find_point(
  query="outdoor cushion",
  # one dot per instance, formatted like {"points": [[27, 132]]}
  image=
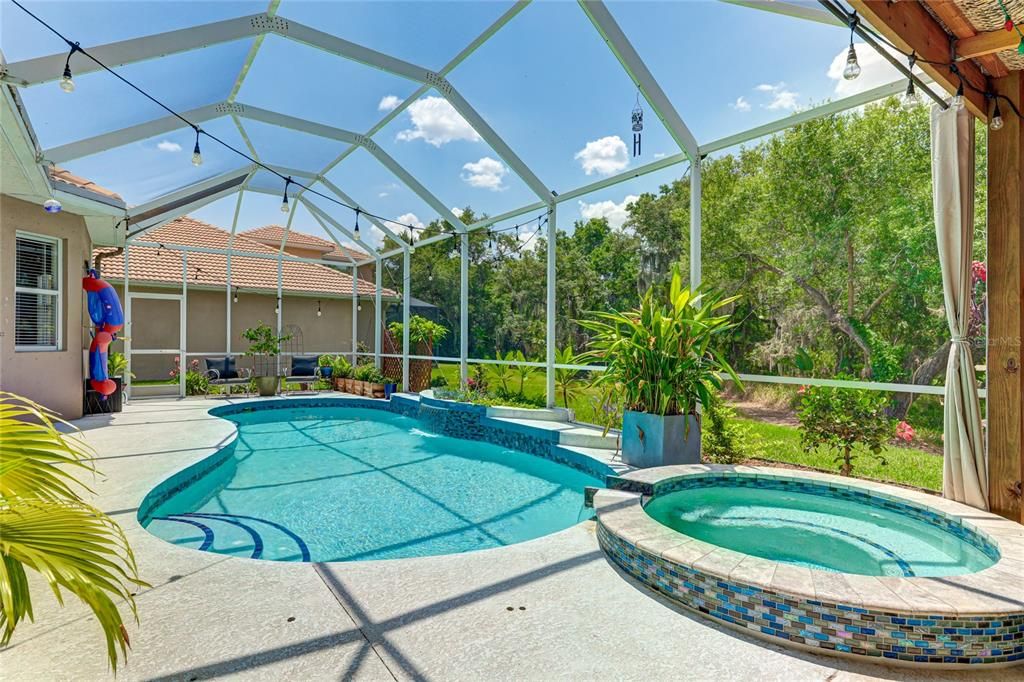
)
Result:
{"points": [[304, 366], [225, 366]]}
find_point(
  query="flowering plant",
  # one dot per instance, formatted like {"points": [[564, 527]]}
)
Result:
{"points": [[904, 432]]}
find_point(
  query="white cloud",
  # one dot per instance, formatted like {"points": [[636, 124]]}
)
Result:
{"points": [[603, 156], [874, 71], [410, 219], [660, 155], [388, 103], [741, 104], [436, 122], [616, 213], [457, 211], [781, 96], [168, 146], [487, 173], [382, 195]]}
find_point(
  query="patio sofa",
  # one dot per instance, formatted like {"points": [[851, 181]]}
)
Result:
{"points": [[221, 371]]}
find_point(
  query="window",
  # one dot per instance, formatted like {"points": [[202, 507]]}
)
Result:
{"points": [[37, 290]]}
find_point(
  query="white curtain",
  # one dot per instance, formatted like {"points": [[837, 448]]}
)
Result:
{"points": [[965, 468]]}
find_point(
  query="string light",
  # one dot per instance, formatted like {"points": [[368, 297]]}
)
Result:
{"points": [[284, 202], [319, 313], [277, 306], [197, 156], [66, 83], [234, 299], [958, 98], [911, 98], [997, 118], [356, 231], [852, 69]]}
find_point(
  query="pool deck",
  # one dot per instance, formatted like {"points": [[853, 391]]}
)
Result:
{"points": [[551, 608]]}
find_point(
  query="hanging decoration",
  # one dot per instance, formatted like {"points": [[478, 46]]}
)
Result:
{"points": [[638, 125]]}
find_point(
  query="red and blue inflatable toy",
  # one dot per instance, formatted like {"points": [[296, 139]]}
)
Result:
{"points": [[106, 313]]}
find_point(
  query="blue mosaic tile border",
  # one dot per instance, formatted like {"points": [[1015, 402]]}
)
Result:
{"points": [[827, 627], [950, 524]]}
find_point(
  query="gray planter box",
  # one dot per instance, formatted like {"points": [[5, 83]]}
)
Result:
{"points": [[649, 440]]}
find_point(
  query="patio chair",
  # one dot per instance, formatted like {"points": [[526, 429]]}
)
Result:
{"points": [[304, 370], [221, 371]]}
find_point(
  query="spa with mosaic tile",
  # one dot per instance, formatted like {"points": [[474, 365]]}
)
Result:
{"points": [[965, 618]]}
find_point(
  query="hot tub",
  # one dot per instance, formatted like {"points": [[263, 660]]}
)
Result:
{"points": [[834, 565]]}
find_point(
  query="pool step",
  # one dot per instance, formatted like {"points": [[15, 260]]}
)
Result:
{"points": [[232, 534], [544, 414], [568, 434]]}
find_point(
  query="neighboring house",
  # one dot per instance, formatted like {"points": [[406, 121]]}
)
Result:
{"points": [[307, 288], [310, 246], [43, 257]]}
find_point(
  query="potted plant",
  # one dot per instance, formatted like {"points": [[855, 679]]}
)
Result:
{"points": [[264, 345], [660, 359], [341, 371], [117, 370], [391, 386], [422, 335], [326, 368], [363, 376]]}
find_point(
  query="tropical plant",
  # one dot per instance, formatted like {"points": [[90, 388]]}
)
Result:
{"points": [[568, 382], [368, 373], [524, 371], [341, 368], [117, 366], [661, 354], [502, 372], [47, 527], [421, 330], [841, 419]]}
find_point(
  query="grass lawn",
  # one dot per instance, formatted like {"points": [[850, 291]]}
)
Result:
{"points": [[778, 443], [908, 466]]}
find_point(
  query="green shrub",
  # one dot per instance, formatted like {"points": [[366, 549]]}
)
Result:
{"points": [[438, 381], [842, 419], [364, 372], [723, 438]]}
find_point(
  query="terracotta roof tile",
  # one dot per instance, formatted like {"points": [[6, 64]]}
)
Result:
{"points": [[154, 264], [271, 234], [61, 175]]}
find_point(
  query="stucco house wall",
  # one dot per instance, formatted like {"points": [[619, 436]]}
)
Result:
{"points": [[51, 377], [155, 324]]}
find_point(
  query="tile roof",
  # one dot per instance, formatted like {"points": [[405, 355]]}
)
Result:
{"points": [[153, 264], [67, 177], [271, 234]]}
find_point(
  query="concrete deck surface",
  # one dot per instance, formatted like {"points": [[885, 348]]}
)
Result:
{"points": [[551, 608]]}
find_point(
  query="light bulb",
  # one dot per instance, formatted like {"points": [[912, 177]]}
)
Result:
{"points": [[284, 204], [66, 84], [911, 98], [197, 156], [234, 299], [359, 308], [997, 118], [356, 233], [412, 249], [319, 313], [852, 69], [52, 206]]}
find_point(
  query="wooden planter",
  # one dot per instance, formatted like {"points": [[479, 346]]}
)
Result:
{"points": [[349, 385], [373, 390]]}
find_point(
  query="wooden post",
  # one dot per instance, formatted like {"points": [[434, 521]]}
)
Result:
{"points": [[1005, 286]]}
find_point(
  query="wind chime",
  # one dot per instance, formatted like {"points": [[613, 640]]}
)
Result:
{"points": [[638, 125]]}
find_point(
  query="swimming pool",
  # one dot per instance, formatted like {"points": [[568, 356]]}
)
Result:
{"points": [[337, 483]]}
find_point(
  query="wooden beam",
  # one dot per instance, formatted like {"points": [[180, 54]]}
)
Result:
{"points": [[1005, 299], [949, 13], [909, 26], [988, 42]]}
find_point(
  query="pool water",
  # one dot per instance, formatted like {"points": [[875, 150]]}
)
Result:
{"points": [[816, 531], [348, 484]]}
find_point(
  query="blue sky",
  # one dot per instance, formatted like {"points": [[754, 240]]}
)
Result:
{"points": [[546, 83]]}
